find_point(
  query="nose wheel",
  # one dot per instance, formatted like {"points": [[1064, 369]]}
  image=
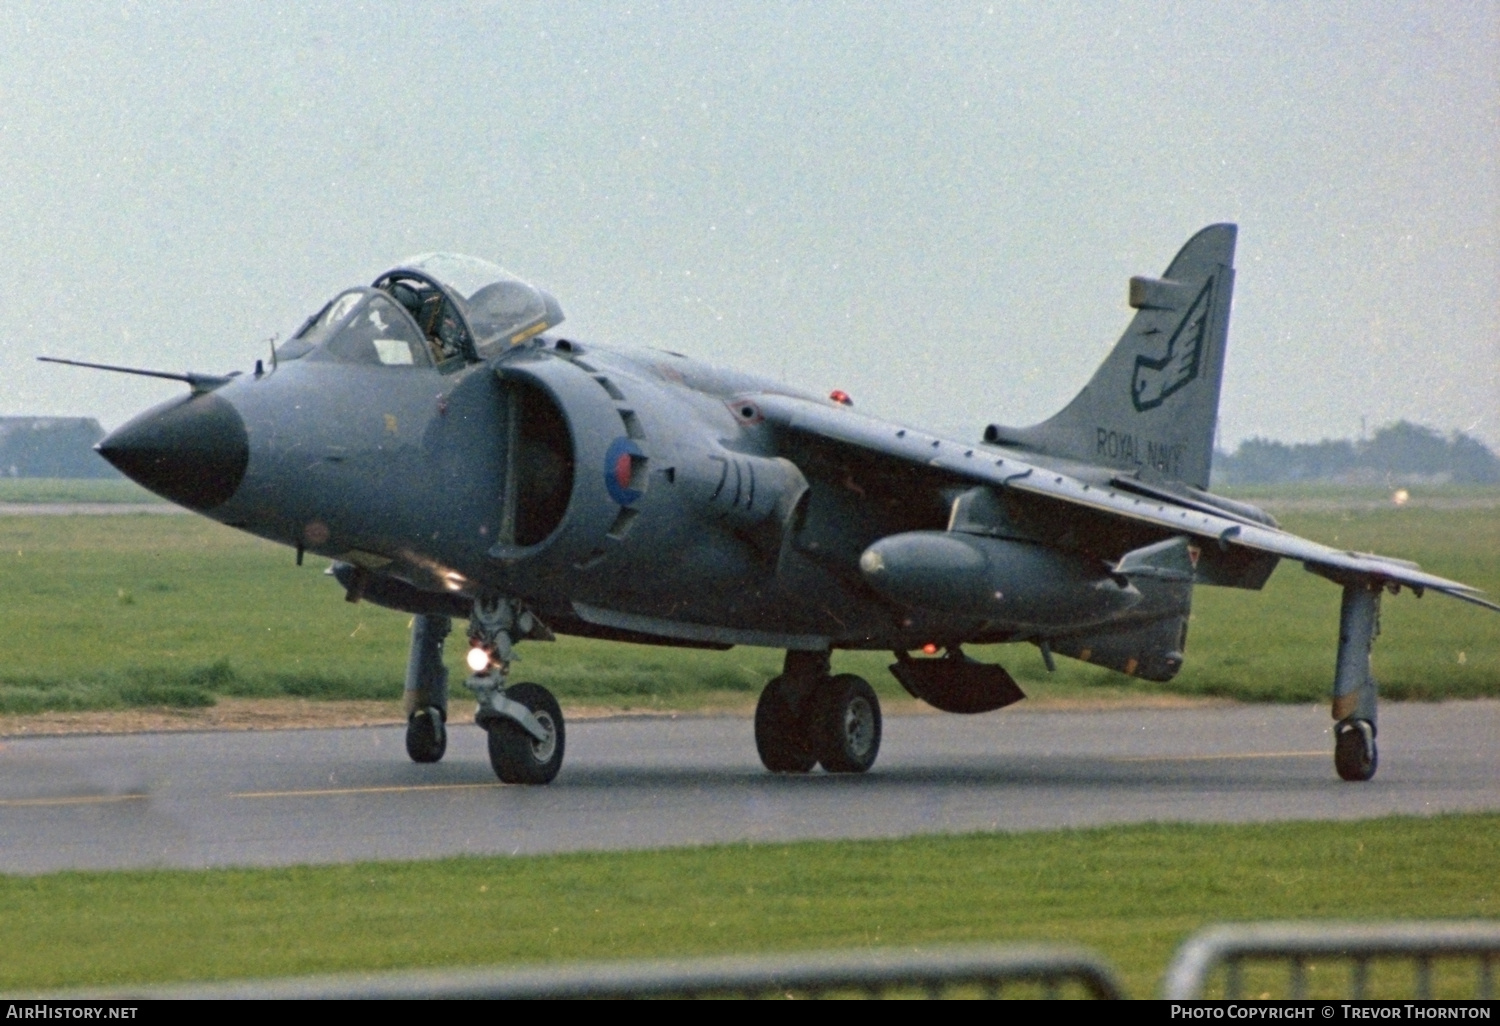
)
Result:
{"points": [[516, 755]]}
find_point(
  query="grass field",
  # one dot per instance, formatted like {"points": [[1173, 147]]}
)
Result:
{"points": [[103, 612], [1131, 893], [51, 489]]}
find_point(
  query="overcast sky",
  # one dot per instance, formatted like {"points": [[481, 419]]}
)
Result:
{"points": [[934, 206]]}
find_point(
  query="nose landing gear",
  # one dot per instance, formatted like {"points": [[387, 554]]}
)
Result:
{"points": [[523, 721], [518, 756]]}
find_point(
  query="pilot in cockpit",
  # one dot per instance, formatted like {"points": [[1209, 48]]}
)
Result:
{"points": [[427, 309]]}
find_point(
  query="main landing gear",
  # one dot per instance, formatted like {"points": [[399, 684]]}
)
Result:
{"points": [[1354, 753], [523, 721], [807, 716]]}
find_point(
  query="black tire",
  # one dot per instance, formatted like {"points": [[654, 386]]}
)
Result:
{"points": [[1354, 753], [518, 758], [780, 730], [426, 734], [848, 725]]}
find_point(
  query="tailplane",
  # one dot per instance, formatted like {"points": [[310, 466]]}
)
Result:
{"points": [[1152, 406]]}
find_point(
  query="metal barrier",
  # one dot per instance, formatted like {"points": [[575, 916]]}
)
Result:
{"points": [[1295, 943], [872, 973], [933, 971]]}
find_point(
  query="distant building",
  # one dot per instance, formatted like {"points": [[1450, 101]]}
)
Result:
{"points": [[51, 447]]}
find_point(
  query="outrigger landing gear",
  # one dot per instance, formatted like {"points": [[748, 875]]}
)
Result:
{"points": [[1354, 754], [426, 695], [806, 716], [523, 721]]}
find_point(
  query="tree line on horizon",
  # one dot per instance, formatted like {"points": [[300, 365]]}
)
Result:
{"points": [[1399, 453], [52, 447]]}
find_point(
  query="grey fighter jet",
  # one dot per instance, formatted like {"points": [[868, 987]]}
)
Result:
{"points": [[455, 456]]}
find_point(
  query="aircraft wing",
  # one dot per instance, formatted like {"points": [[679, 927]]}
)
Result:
{"points": [[987, 465]]}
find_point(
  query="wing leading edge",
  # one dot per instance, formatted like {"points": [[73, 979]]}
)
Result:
{"points": [[1000, 468]]}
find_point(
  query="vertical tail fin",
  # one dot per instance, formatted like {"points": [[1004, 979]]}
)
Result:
{"points": [[1153, 404]]}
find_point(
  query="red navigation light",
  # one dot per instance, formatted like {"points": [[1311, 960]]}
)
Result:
{"points": [[930, 648], [841, 397]]}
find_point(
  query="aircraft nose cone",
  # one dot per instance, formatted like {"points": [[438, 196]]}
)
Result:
{"points": [[193, 451]]}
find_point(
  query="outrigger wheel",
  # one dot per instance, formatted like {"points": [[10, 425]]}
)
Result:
{"points": [[519, 758], [1354, 753], [426, 734]]}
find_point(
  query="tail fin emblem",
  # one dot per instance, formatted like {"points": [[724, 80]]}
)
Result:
{"points": [[1155, 380]]}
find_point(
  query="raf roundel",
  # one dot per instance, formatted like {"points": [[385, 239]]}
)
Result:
{"points": [[619, 469]]}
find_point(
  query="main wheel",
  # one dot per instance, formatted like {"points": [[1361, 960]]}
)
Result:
{"points": [[519, 758], [848, 725], [426, 735], [1354, 754], [781, 730]]}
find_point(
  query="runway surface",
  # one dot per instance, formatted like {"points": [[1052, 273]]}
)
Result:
{"points": [[294, 796]]}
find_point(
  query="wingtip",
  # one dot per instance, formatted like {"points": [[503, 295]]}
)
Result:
{"points": [[1470, 597]]}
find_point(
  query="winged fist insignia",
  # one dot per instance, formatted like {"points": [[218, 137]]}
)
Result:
{"points": [[1156, 379]]}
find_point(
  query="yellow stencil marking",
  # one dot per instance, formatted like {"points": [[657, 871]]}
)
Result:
{"points": [[1214, 758], [90, 799], [525, 333], [364, 790]]}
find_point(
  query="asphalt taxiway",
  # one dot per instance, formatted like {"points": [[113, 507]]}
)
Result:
{"points": [[295, 796]]}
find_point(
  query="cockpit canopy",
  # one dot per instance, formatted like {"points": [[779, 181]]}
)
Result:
{"points": [[438, 309]]}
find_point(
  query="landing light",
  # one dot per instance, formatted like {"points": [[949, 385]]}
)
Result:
{"points": [[479, 659]]}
